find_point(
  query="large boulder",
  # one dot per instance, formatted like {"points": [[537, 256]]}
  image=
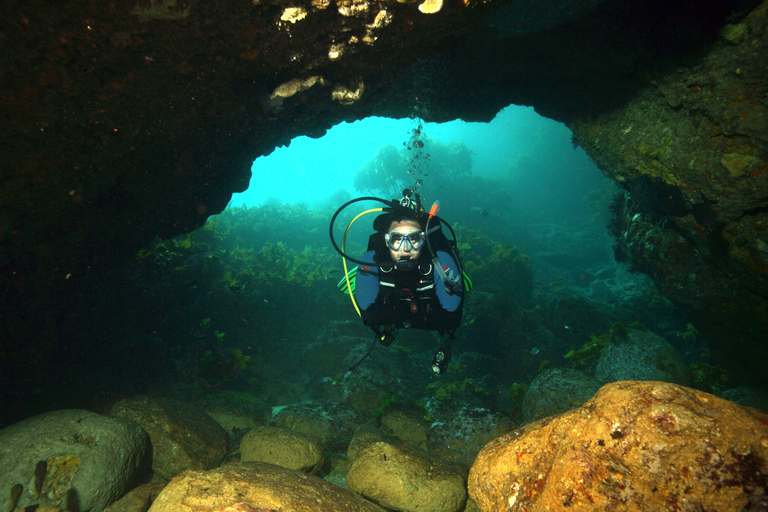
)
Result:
{"points": [[643, 446], [183, 436], [256, 487], [691, 150], [283, 448], [406, 480], [71, 458], [235, 411], [365, 435]]}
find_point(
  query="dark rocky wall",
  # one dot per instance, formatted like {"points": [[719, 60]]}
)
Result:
{"points": [[128, 119], [691, 149]]}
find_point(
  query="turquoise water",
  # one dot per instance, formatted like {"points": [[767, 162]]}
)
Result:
{"points": [[310, 170]]}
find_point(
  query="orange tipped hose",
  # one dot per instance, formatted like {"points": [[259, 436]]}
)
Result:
{"points": [[433, 210]]}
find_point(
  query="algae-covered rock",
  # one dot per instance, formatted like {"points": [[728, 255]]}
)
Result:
{"points": [[140, 498], [410, 428], [364, 436], [331, 425], [68, 455], [461, 436], [406, 480], [235, 411], [282, 447]]}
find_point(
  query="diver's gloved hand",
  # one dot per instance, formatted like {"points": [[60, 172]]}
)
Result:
{"points": [[441, 360]]}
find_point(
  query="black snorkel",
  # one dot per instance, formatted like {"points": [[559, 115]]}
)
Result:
{"points": [[409, 200], [405, 202], [390, 205]]}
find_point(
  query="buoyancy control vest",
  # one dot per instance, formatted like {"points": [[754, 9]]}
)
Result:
{"points": [[415, 298]]}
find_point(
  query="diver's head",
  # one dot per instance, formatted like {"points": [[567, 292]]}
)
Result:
{"points": [[404, 235]]}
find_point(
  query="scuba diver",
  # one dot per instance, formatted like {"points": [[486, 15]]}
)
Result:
{"points": [[410, 277]]}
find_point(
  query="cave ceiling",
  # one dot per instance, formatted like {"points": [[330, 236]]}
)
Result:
{"points": [[131, 119]]}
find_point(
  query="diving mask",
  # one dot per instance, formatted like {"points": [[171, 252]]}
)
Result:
{"points": [[413, 240]]}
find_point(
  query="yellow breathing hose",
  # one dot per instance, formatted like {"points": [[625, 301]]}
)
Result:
{"points": [[344, 260]]}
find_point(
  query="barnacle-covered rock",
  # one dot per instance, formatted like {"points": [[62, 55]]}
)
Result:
{"points": [[352, 7], [291, 87], [293, 14], [348, 96], [557, 390], [147, 10]]}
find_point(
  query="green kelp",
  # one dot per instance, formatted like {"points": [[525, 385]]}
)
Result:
{"points": [[443, 389], [591, 349], [212, 289], [388, 171], [270, 246], [494, 266], [710, 378], [457, 383]]}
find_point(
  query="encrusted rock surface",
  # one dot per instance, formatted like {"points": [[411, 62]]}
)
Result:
{"points": [[330, 424], [183, 437], [407, 426], [256, 487], [459, 437], [644, 446], [140, 498], [234, 416], [71, 459]]}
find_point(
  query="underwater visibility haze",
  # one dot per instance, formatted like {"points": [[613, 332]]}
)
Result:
{"points": [[244, 318], [557, 300], [248, 304]]}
